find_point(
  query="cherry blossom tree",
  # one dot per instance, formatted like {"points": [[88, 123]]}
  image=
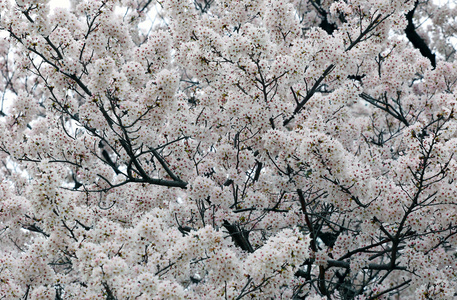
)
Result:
{"points": [[232, 149]]}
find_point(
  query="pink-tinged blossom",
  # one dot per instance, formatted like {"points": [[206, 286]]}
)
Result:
{"points": [[228, 149]]}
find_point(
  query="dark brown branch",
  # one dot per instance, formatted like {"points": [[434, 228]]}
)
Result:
{"points": [[416, 40], [239, 236]]}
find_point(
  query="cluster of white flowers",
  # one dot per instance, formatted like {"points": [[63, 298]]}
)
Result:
{"points": [[236, 149]]}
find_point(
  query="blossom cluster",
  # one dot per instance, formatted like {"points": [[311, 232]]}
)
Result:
{"points": [[235, 149]]}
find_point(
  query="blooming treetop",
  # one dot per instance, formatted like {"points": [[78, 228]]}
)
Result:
{"points": [[238, 149]]}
